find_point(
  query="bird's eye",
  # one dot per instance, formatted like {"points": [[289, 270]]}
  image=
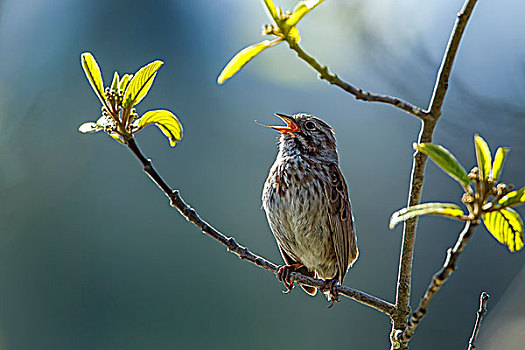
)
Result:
{"points": [[309, 125]]}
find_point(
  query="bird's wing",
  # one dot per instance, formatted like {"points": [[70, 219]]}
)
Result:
{"points": [[341, 221]]}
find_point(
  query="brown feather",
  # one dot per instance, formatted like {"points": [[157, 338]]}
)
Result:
{"points": [[341, 222]]}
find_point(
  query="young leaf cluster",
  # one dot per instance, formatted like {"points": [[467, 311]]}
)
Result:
{"points": [[119, 118], [485, 198], [284, 28]]}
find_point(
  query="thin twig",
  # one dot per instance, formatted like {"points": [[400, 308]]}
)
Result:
{"points": [[484, 297], [438, 280], [418, 168], [324, 73], [242, 252]]}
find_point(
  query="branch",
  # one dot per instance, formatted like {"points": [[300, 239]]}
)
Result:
{"points": [[242, 252], [438, 280], [479, 318], [404, 278], [324, 73], [441, 86], [418, 167]]}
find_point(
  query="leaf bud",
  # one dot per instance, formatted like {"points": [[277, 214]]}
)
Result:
{"points": [[467, 198], [474, 174], [501, 189]]}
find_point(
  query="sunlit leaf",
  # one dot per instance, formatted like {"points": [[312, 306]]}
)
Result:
{"points": [[301, 10], [443, 209], [506, 226], [166, 121], [90, 66], [140, 84], [444, 159], [114, 83], [124, 82], [483, 156], [513, 198], [293, 33], [242, 57], [105, 120], [272, 10], [90, 127], [497, 166]]}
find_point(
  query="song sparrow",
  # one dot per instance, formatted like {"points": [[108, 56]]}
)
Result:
{"points": [[307, 205]]}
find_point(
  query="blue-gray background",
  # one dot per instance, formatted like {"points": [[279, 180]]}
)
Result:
{"points": [[93, 257]]}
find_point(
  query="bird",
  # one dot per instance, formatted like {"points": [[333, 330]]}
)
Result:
{"points": [[307, 205]]}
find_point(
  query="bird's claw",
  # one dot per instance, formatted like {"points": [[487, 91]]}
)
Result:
{"points": [[283, 275], [333, 295]]}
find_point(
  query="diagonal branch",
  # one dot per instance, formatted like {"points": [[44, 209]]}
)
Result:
{"points": [[484, 297], [438, 280], [418, 166], [324, 73], [441, 86], [242, 252]]}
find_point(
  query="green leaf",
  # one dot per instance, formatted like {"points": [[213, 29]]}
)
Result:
{"points": [[513, 198], [242, 57], [506, 226], [445, 160], [301, 10], [114, 83], [140, 84], [272, 10], [90, 66], [443, 209], [124, 82], [497, 166], [166, 121], [90, 127], [483, 156]]}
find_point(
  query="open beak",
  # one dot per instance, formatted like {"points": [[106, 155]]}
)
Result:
{"points": [[290, 127]]}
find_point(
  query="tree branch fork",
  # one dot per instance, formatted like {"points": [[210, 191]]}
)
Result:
{"points": [[400, 328]]}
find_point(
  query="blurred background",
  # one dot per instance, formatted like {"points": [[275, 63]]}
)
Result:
{"points": [[93, 257]]}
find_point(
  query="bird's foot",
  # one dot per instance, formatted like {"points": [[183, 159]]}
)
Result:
{"points": [[333, 295], [283, 275]]}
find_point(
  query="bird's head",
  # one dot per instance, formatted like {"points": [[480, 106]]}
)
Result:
{"points": [[307, 135]]}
